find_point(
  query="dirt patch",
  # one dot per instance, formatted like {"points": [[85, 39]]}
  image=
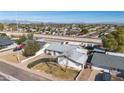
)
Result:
{"points": [[56, 71], [14, 58]]}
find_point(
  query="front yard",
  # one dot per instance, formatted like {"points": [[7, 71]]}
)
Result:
{"points": [[56, 70], [14, 57]]}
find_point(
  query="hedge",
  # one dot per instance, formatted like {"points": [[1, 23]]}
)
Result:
{"points": [[30, 65]]}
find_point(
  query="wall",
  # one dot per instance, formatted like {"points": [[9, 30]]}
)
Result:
{"points": [[52, 53], [65, 61], [98, 68]]}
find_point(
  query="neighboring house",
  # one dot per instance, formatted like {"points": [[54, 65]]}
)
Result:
{"points": [[5, 42], [107, 62], [68, 55]]}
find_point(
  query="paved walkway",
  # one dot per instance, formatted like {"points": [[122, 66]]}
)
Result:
{"points": [[6, 52], [84, 75], [93, 75], [24, 64]]}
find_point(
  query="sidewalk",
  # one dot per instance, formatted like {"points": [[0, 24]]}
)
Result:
{"points": [[84, 75], [93, 75]]}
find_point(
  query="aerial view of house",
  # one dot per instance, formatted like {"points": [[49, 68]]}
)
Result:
{"points": [[61, 49]]}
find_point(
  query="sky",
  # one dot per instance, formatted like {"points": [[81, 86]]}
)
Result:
{"points": [[65, 16]]}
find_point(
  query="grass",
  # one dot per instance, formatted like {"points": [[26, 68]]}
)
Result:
{"points": [[56, 71], [12, 58]]}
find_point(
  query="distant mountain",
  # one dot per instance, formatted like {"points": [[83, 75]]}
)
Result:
{"points": [[19, 21], [29, 22]]}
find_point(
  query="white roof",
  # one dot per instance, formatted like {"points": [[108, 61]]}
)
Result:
{"points": [[76, 56], [58, 47], [75, 53], [79, 57], [115, 54]]}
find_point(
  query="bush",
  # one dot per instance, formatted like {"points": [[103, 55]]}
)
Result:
{"points": [[1, 27], [4, 36], [42, 60], [31, 48], [84, 31], [21, 39]]}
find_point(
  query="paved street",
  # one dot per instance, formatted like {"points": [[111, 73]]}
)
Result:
{"points": [[19, 73], [65, 38], [2, 78]]}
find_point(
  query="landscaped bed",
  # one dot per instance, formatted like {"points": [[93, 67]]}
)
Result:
{"points": [[55, 69], [13, 57]]}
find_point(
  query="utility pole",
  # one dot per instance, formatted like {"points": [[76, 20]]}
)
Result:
{"points": [[17, 55]]}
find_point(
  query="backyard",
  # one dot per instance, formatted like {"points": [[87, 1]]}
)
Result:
{"points": [[56, 70]]}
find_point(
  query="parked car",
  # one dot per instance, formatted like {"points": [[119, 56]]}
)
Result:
{"points": [[21, 46]]}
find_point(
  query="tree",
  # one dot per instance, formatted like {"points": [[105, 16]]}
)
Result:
{"points": [[30, 36], [31, 48], [1, 27], [115, 40], [21, 39], [84, 31], [4, 36], [110, 43]]}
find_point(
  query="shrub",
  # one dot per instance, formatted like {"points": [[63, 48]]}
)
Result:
{"points": [[42, 60], [31, 48], [21, 39]]}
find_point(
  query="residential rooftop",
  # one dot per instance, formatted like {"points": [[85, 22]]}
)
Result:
{"points": [[5, 42], [72, 52], [105, 60], [59, 47]]}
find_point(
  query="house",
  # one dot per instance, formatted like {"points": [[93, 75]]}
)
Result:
{"points": [[55, 49], [107, 62], [68, 55], [73, 59]]}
